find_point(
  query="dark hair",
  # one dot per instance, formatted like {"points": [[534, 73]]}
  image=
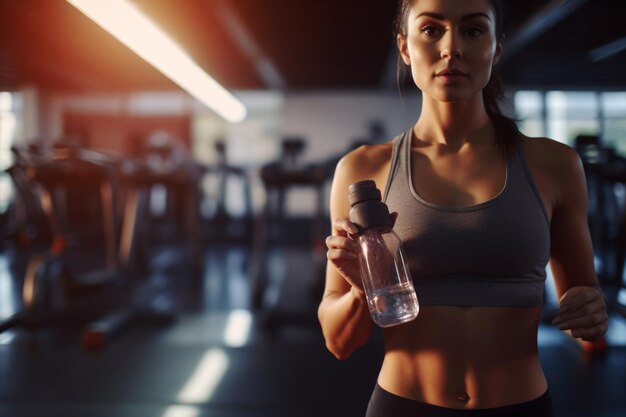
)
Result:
{"points": [[508, 135]]}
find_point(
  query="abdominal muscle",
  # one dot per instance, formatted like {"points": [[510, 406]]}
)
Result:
{"points": [[465, 357]]}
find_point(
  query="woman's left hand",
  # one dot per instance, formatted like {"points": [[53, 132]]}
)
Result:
{"points": [[583, 311]]}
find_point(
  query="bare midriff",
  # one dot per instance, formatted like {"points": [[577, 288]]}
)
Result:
{"points": [[465, 357]]}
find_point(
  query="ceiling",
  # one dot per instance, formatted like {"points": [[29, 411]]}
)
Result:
{"points": [[296, 45]]}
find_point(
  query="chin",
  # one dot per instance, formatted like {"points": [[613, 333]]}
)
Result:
{"points": [[451, 94], [451, 97], [448, 94]]}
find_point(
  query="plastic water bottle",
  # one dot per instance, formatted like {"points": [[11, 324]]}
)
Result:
{"points": [[386, 278]]}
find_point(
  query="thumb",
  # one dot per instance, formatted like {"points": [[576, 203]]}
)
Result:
{"points": [[394, 217]]}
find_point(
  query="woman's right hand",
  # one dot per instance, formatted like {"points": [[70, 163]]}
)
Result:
{"points": [[343, 252]]}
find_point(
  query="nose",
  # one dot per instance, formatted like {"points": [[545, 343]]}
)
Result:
{"points": [[451, 46]]}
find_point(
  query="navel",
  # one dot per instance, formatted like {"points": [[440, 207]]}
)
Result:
{"points": [[463, 397]]}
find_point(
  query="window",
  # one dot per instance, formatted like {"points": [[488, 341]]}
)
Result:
{"points": [[570, 114], [564, 115], [10, 105], [529, 111], [614, 121]]}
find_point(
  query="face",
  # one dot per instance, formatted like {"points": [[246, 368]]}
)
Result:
{"points": [[451, 47]]}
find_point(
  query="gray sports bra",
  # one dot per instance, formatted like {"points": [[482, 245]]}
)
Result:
{"points": [[490, 254]]}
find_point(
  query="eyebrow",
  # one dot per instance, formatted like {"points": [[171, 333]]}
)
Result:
{"points": [[438, 16]]}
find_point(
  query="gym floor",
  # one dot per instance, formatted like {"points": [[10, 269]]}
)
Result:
{"points": [[221, 358]]}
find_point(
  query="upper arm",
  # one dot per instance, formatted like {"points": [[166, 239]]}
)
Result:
{"points": [[571, 252]]}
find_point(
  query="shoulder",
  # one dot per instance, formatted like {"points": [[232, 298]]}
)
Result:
{"points": [[550, 153], [369, 155], [366, 161], [557, 165]]}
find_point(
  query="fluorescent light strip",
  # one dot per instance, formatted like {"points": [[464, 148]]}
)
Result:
{"points": [[237, 329], [206, 377], [131, 27], [608, 50], [6, 338], [181, 411]]}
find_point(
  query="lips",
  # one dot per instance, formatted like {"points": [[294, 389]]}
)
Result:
{"points": [[451, 76], [451, 72]]}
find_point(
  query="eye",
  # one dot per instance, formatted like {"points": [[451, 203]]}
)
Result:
{"points": [[431, 31], [474, 32]]}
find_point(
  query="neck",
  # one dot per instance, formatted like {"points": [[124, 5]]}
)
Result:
{"points": [[453, 125]]}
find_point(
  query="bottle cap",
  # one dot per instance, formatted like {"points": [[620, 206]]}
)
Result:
{"points": [[367, 208], [363, 191]]}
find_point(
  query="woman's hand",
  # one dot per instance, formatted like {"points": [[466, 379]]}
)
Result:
{"points": [[583, 311], [343, 252]]}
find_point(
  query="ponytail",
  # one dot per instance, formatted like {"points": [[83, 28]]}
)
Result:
{"points": [[508, 135]]}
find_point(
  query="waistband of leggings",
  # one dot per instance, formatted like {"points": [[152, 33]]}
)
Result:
{"points": [[544, 400]]}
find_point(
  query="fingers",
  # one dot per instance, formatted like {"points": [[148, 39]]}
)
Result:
{"points": [[579, 301], [586, 321], [343, 251], [577, 297], [340, 246], [587, 328], [590, 334], [344, 227], [340, 242], [583, 311], [337, 254]]}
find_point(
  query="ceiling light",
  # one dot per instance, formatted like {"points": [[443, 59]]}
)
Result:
{"points": [[131, 27]]}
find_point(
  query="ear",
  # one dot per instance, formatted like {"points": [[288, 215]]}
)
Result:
{"points": [[402, 47], [498, 54]]}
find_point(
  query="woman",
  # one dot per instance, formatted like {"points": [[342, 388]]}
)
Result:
{"points": [[481, 210]]}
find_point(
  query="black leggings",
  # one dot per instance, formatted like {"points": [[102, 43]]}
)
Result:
{"points": [[385, 404]]}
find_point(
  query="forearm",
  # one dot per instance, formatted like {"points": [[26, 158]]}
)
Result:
{"points": [[346, 322]]}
